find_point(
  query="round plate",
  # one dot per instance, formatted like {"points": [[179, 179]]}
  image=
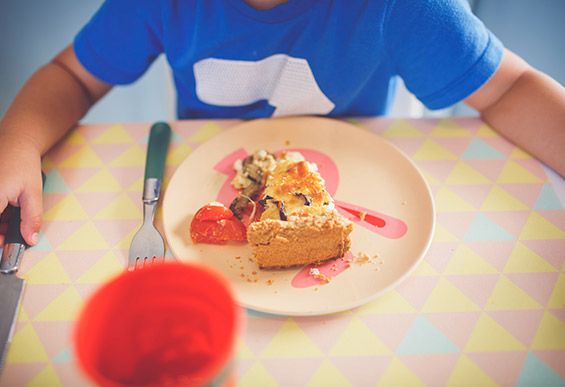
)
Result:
{"points": [[374, 184]]}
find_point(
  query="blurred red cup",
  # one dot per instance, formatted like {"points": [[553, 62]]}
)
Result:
{"points": [[167, 324]]}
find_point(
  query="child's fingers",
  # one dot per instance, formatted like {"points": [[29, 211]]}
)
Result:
{"points": [[31, 214]]}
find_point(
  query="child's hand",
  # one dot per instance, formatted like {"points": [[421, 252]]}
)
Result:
{"points": [[20, 185]]}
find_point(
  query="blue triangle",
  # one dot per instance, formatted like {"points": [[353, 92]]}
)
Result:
{"points": [[548, 200], [484, 229], [43, 244], [479, 150], [54, 183], [65, 356], [424, 338], [537, 373]]}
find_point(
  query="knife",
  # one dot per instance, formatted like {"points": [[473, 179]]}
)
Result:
{"points": [[11, 286]]}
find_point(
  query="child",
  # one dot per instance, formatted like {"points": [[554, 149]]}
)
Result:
{"points": [[257, 58]]}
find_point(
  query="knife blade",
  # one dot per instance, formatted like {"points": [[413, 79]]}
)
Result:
{"points": [[11, 286]]}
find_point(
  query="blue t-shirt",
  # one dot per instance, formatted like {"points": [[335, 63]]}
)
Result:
{"points": [[322, 57]]}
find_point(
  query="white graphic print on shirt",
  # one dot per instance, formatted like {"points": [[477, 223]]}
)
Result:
{"points": [[286, 83]]}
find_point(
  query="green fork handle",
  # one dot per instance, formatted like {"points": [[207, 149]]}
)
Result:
{"points": [[159, 139]]}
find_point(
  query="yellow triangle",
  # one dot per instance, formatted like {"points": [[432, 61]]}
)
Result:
{"points": [[205, 132], [519, 154], [486, 131], [557, 299], [328, 375], [448, 201], [447, 298], [500, 200], [467, 373], [115, 134], [47, 377], [75, 138], [432, 181], [133, 156], [105, 268], [102, 181], [26, 347], [85, 157], [466, 261], [431, 150], [243, 351], [402, 128], [550, 333], [442, 235], [47, 271], [137, 186], [62, 308], [424, 269], [449, 128], [507, 296], [389, 303], [397, 374], [489, 336], [301, 346], [22, 315], [515, 173], [257, 375], [463, 173], [357, 339], [86, 237], [177, 155], [539, 228], [69, 208], [122, 208], [524, 260]]}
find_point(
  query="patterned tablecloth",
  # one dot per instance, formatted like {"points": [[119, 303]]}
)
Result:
{"points": [[485, 307]]}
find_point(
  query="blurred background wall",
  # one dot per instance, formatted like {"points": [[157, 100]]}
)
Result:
{"points": [[33, 31]]}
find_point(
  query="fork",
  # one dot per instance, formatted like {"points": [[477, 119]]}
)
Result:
{"points": [[147, 244]]}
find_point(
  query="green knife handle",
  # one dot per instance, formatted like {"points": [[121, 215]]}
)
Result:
{"points": [[159, 139]]}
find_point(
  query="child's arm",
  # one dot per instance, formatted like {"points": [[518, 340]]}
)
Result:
{"points": [[527, 107], [51, 102]]}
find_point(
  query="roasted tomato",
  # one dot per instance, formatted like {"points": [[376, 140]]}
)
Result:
{"points": [[214, 223]]}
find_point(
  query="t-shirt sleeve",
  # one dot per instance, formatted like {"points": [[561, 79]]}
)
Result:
{"points": [[440, 49], [121, 40]]}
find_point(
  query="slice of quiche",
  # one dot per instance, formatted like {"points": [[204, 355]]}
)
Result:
{"points": [[295, 222]]}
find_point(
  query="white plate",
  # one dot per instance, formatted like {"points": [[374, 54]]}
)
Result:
{"points": [[362, 171]]}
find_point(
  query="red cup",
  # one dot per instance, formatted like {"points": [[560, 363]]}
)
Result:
{"points": [[168, 324]]}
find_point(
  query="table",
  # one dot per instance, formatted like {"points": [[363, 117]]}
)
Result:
{"points": [[485, 307]]}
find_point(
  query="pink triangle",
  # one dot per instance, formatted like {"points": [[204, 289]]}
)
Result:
{"points": [[333, 327], [362, 371], [527, 193], [259, 332], [138, 131], [86, 290], [538, 285], [31, 258], [432, 369], [559, 313], [440, 169], [108, 152], [489, 168], [241, 366], [390, 329], [302, 370], [440, 253], [474, 194], [76, 263], [494, 252], [552, 251], [114, 230], [378, 126], [51, 199], [407, 145], [457, 326], [426, 125], [37, 297], [557, 217], [62, 151], [91, 131], [455, 145], [500, 144], [54, 335], [57, 232], [511, 221], [533, 166], [75, 177], [94, 202], [555, 359], [477, 287], [457, 223], [18, 374], [127, 175], [71, 375], [522, 324], [470, 123], [416, 290], [503, 367]]}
